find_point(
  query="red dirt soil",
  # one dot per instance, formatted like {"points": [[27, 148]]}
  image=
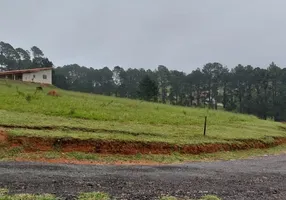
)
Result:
{"points": [[3, 136], [32, 144], [53, 93]]}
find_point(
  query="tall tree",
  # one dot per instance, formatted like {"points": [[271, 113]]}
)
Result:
{"points": [[25, 59], [119, 79], [41, 62], [24, 55], [163, 77], [106, 81], [133, 78], [10, 62], [37, 52], [198, 80], [148, 89], [275, 81], [178, 90], [212, 73], [2, 62], [239, 84], [59, 80], [225, 84]]}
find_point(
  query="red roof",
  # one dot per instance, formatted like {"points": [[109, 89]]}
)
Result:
{"points": [[25, 71]]}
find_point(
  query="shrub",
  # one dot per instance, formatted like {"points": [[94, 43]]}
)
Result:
{"points": [[28, 97]]}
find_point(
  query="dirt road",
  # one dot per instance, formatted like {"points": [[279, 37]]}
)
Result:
{"points": [[259, 178]]}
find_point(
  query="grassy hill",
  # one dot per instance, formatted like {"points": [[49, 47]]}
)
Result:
{"points": [[85, 116]]}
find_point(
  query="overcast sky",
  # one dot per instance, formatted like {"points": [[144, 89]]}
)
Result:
{"points": [[181, 34]]}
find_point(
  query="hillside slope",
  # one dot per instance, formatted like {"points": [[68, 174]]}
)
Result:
{"points": [[89, 116]]}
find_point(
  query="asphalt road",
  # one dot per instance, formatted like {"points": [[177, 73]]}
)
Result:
{"points": [[260, 178]]}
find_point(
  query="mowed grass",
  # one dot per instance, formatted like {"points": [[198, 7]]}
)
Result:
{"points": [[122, 119], [165, 138]]}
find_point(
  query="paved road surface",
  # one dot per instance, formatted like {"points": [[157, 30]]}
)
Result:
{"points": [[261, 178]]}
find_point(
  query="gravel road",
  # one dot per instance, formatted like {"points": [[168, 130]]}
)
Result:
{"points": [[259, 178]]}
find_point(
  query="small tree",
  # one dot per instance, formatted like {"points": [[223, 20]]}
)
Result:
{"points": [[148, 89]]}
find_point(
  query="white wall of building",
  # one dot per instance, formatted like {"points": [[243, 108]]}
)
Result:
{"points": [[44, 76]]}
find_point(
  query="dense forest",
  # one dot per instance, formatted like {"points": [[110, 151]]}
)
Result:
{"points": [[244, 89]]}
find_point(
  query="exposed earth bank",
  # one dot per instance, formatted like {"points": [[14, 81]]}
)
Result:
{"points": [[259, 178], [33, 144]]}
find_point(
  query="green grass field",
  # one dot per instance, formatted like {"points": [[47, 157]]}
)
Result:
{"points": [[85, 116]]}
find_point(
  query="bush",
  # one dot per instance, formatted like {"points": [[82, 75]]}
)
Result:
{"points": [[28, 97]]}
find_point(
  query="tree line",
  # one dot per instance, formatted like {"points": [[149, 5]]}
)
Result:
{"points": [[243, 89], [17, 58]]}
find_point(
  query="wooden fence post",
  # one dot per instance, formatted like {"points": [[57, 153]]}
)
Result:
{"points": [[205, 126]]}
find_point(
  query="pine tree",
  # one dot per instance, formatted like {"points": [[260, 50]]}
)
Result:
{"points": [[148, 89]]}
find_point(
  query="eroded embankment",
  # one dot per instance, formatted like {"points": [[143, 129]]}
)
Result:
{"points": [[31, 144]]}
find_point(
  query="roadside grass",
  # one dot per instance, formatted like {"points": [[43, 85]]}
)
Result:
{"points": [[176, 157], [82, 196], [168, 198], [210, 197], [5, 196], [17, 153], [94, 196], [28, 197]]}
